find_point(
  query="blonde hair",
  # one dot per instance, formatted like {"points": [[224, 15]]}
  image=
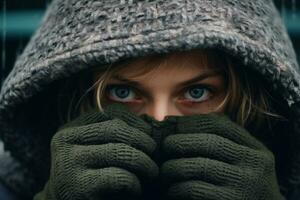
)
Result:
{"points": [[244, 103]]}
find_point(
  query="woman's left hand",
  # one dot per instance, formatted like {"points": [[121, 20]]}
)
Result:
{"points": [[211, 157]]}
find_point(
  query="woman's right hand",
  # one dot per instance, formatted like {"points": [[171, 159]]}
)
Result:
{"points": [[100, 155]]}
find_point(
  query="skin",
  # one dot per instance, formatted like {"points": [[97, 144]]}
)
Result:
{"points": [[161, 92]]}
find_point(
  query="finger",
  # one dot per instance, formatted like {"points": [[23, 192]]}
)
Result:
{"points": [[219, 124], [204, 169], [199, 190], [118, 110], [113, 131], [89, 117], [214, 147], [106, 182], [118, 155], [114, 110]]}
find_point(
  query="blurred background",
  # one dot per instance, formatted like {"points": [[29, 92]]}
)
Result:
{"points": [[19, 19]]}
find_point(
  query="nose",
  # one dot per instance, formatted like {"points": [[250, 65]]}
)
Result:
{"points": [[160, 109]]}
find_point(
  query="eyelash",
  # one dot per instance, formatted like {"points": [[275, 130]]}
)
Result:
{"points": [[206, 87], [209, 89]]}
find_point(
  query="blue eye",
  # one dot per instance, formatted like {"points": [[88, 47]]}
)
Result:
{"points": [[197, 93], [120, 93]]}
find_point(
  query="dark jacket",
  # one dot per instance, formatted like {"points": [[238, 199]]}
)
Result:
{"points": [[77, 34]]}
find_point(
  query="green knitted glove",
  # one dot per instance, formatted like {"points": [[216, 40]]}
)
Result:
{"points": [[101, 156], [211, 157]]}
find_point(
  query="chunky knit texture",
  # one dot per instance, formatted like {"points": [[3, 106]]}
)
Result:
{"points": [[110, 155], [75, 35], [210, 157], [100, 156]]}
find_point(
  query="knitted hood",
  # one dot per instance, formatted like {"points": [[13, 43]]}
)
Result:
{"points": [[77, 34]]}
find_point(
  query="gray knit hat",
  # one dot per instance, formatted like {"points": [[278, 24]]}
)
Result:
{"points": [[77, 34]]}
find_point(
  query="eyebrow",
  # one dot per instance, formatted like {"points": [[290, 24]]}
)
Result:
{"points": [[207, 73]]}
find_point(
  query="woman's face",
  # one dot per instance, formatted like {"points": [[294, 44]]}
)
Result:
{"points": [[184, 84]]}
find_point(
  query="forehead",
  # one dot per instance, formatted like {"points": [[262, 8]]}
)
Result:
{"points": [[187, 62]]}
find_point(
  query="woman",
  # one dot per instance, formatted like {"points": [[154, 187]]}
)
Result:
{"points": [[245, 42]]}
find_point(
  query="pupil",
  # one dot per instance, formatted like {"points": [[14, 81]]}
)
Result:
{"points": [[122, 92], [196, 93]]}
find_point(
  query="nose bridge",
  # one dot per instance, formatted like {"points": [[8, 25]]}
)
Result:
{"points": [[161, 108]]}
